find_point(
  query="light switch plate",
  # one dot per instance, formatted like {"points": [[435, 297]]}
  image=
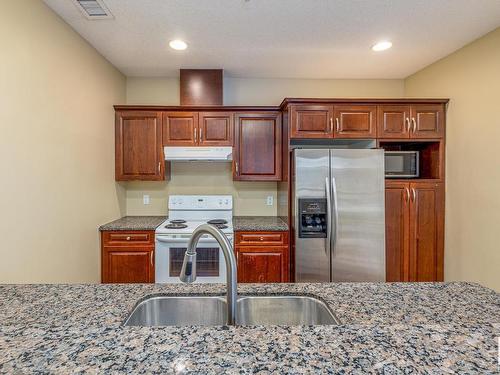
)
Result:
{"points": [[269, 200], [145, 199]]}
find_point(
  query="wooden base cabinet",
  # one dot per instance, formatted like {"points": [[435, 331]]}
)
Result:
{"points": [[414, 231], [127, 257], [262, 257]]}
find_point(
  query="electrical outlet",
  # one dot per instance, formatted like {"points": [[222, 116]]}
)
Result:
{"points": [[269, 200], [145, 199]]}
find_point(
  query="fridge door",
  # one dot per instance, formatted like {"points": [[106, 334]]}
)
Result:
{"points": [[311, 183], [358, 211]]}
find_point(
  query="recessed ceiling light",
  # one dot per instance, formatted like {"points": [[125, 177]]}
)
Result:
{"points": [[178, 44], [382, 46]]}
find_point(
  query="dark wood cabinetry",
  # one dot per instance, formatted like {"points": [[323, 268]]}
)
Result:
{"points": [[355, 121], [419, 121], [427, 121], [414, 231], [262, 257], [127, 257], [180, 128], [138, 152], [257, 148], [311, 121], [197, 129], [337, 121], [393, 121], [216, 129]]}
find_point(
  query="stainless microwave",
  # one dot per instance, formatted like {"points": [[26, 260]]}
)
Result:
{"points": [[401, 164]]}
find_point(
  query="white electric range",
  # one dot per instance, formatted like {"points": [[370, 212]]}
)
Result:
{"points": [[185, 213]]}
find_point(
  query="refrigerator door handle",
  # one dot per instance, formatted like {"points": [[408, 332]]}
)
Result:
{"points": [[328, 216], [335, 214]]}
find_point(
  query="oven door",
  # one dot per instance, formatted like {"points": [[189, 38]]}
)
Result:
{"points": [[170, 250]]}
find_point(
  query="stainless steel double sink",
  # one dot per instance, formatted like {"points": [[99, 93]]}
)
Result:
{"points": [[212, 311]]}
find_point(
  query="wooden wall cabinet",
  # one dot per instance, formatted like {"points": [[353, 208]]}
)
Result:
{"points": [[197, 129], [138, 151], [215, 129], [180, 128], [311, 121], [414, 231], [257, 148], [262, 257], [333, 121], [418, 121], [127, 257], [355, 121]]}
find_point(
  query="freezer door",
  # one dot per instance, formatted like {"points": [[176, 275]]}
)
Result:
{"points": [[311, 182], [358, 211]]}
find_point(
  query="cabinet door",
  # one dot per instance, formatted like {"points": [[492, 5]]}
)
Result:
{"points": [[426, 231], [397, 221], [311, 121], [261, 265], [180, 128], [257, 155], [427, 121], [138, 150], [127, 265], [393, 121], [355, 121], [216, 129]]}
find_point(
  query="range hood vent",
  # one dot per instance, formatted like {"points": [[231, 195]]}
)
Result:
{"points": [[198, 153], [93, 9]]}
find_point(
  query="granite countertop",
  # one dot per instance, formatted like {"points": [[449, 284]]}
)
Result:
{"points": [[240, 223], [259, 223], [134, 223], [386, 328]]}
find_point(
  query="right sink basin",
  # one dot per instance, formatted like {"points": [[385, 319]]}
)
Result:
{"points": [[283, 310]]}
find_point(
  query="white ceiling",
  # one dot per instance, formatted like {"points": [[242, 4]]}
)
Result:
{"points": [[282, 38]]}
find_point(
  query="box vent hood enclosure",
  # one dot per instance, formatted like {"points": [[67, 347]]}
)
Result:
{"points": [[200, 87], [198, 153]]}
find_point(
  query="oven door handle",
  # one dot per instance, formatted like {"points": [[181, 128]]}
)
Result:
{"points": [[186, 240]]}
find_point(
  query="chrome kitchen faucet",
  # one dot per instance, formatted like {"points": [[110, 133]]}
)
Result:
{"points": [[188, 271]]}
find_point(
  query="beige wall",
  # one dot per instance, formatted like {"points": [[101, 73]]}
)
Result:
{"points": [[470, 77], [56, 148], [255, 91], [250, 197], [201, 178]]}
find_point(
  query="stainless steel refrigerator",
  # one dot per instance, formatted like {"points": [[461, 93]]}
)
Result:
{"points": [[339, 215]]}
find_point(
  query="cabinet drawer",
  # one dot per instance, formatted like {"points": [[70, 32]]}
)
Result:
{"points": [[261, 238], [127, 238]]}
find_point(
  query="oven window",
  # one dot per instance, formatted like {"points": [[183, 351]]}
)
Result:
{"points": [[207, 261]]}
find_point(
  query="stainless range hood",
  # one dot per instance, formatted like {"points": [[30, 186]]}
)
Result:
{"points": [[198, 153]]}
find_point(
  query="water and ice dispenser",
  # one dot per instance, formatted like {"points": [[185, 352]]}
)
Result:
{"points": [[312, 218]]}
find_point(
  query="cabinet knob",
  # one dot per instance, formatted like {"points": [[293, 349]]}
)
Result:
{"points": [[262, 238], [128, 238]]}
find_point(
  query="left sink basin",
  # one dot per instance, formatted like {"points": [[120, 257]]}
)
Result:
{"points": [[179, 311]]}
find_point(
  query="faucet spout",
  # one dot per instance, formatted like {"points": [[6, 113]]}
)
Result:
{"points": [[188, 271]]}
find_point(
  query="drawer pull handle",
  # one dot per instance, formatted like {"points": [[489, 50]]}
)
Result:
{"points": [[128, 238], [262, 238]]}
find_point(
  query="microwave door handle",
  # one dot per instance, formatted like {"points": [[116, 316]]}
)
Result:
{"points": [[328, 217]]}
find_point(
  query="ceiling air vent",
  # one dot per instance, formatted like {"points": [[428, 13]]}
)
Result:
{"points": [[93, 9]]}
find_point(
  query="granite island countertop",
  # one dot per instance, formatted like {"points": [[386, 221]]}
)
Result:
{"points": [[259, 223], [386, 328]]}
